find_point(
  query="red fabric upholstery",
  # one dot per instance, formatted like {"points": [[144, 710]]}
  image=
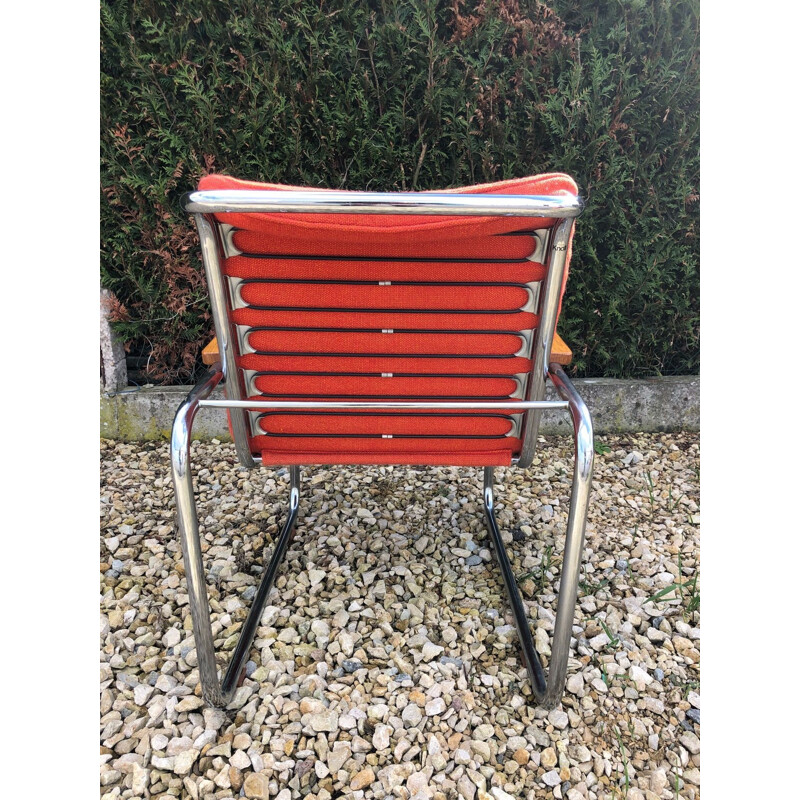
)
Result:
{"points": [[344, 306], [370, 342]]}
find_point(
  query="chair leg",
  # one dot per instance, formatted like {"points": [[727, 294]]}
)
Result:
{"points": [[239, 658], [216, 693], [529, 655], [548, 690]]}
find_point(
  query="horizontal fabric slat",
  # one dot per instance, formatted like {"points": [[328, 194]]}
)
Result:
{"points": [[319, 386], [341, 424], [394, 296], [349, 243], [393, 453], [393, 343], [320, 269], [288, 445]]}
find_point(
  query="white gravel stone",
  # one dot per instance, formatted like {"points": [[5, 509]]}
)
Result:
{"points": [[640, 677], [575, 684], [434, 707], [382, 737], [551, 778], [240, 760], [558, 719], [316, 576], [483, 732], [142, 693], [185, 760], [431, 651], [324, 721], [690, 742], [412, 715], [337, 756]]}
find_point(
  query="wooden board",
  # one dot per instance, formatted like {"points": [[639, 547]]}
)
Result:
{"points": [[211, 352], [560, 353]]}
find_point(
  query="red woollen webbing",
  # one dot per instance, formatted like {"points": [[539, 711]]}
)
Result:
{"points": [[329, 447], [371, 245], [309, 424], [320, 269], [394, 296], [349, 386], [366, 455], [420, 307], [396, 343]]}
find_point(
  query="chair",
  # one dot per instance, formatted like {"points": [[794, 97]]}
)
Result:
{"points": [[384, 328]]}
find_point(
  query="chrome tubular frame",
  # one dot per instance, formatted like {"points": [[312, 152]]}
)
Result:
{"points": [[203, 205], [428, 204], [543, 337], [216, 693], [226, 336], [548, 690]]}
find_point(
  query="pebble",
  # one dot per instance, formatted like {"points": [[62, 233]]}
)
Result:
{"points": [[324, 721], [654, 704], [411, 715], [599, 642], [337, 756], [549, 758], [381, 737], [362, 779], [383, 664], [639, 677], [184, 761], [558, 719], [434, 707], [483, 732], [430, 651], [690, 742], [256, 786], [142, 693], [552, 778], [316, 576], [575, 684]]}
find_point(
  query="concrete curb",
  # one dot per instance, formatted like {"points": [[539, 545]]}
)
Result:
{"points": [[617, 406]]}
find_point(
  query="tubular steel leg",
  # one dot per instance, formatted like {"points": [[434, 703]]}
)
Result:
{"points": [[214, 693], [239, 657], [548, 692], [529, 654]]}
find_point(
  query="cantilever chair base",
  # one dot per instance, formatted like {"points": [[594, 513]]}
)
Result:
{"points": [[546, 689]]}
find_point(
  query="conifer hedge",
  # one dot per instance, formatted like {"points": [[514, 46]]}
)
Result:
{"points": [[410, 95]]}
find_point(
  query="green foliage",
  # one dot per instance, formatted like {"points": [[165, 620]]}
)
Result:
{"points": [[410, 95]]}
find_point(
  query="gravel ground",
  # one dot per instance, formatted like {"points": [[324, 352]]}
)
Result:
{"points": [[388, 666]]}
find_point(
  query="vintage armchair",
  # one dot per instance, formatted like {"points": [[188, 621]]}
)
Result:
{"points": [[385, 328]]}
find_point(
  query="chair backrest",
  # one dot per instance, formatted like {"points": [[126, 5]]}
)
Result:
{"points": [[355, 306]]}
